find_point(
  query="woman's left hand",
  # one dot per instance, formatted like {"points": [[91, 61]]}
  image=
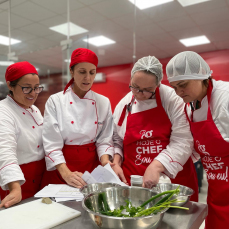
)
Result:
{"points": [[14, 196], [152, 174]]}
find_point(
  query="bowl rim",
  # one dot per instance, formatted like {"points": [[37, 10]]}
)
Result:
{"points": [[158, 184], [85, 186], [118, 218]]}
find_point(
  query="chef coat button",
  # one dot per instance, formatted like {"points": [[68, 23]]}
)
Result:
{"points": [[72, 122], [38, 146], [92, 140], [23, 113], [95, 122], [33, 127], [36, 111], [93, 103], [71, 141], [70, 102], [135, 102]]}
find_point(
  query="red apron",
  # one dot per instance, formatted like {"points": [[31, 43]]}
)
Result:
{"points": [[78, 158], [33, 173], [147, 134], [214, 152]]}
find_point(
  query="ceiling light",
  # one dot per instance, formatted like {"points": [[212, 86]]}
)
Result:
{"points": [[99, 41], [5, 41], [192, 41], [6, 63], [185, 3], [63, 29], [144, 4]]}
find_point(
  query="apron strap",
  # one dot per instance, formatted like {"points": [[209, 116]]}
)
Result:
{"points": [[126, 107], [209, 92], [158, 97], [186, 113]]}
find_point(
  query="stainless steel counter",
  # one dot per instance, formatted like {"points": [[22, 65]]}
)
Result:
{"points": [[173, 218]]}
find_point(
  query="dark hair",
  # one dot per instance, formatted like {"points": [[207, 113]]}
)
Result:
{"points": [[13, 84], [72, 68], [206, 82]]}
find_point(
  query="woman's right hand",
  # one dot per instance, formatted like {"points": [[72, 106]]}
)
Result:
{"points": [[116, 166], [14, 196], [71, 178], [74, 179]]}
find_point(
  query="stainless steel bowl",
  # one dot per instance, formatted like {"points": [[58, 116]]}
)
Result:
{"points": [[90, 188], [184, 195], [116, 197]]}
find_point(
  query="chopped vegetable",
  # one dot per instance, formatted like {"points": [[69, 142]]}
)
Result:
{"points": [[162, 204]]}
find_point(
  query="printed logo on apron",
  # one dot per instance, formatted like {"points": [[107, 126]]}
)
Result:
{"points": [[214, 166]]}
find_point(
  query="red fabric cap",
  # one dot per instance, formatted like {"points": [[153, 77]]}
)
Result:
{"points": [[83, 55], [17, 70]]}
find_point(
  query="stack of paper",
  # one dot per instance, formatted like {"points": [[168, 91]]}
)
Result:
{"points": [[64, 192], [61, 192], [102, 174]]}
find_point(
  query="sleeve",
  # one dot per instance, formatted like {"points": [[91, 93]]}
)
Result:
{"points": [[117, 139], [9, 169], [104, 142], [118, 142], [180, 147], [52, 139]]}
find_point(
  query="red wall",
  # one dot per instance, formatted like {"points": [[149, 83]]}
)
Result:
{"points": [[118, 77]]}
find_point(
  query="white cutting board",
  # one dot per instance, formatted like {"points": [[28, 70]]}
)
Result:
{"points": [[36, 215]]}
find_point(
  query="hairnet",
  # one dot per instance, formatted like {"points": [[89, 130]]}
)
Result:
{"points": [[150, 64], [187, 66]]}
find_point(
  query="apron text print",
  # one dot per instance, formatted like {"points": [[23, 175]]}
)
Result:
{"points": [[146, 134], [145, 148], [212, 164]]}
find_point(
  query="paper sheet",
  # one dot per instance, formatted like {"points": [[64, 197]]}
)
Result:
{"points": [[60, 190], [62, 199], [88, 178]]}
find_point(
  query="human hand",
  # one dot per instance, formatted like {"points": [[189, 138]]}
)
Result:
{"points": [[14, 196], [152, 174], [118, 170], [74, 179]]}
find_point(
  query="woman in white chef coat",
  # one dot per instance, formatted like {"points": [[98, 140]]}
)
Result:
{"points": [[207, 110], [78, 125], [22, 161], [151, 133]]}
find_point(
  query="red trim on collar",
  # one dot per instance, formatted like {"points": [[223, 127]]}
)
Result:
{"points": [[25, 110]]}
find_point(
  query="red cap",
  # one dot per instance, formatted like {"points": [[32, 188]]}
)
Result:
{"points": [[83, 55], [17, 70]]}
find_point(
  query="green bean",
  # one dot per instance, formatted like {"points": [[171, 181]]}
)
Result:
{"points": [[160, 194]]}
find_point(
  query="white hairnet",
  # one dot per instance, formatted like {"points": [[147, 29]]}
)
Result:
{"points": [[187, 66], [150, 64]]}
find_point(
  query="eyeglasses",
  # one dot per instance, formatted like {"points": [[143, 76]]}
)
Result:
{"points": [[27, 90], [146, 93]]}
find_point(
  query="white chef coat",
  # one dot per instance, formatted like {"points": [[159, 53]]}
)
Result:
{"points": [[181, 142], [20, 140], [219, 106], [71, 120]]}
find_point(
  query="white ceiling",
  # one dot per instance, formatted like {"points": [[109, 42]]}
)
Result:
{"points": [[158, 29]]}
